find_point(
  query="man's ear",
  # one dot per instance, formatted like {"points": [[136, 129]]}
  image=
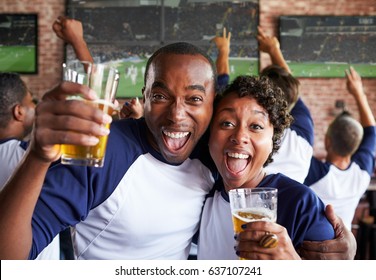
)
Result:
{"points": [[18, 112]]}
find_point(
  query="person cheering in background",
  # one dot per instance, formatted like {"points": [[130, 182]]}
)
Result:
{"points": [[293, 158], [344, 176], [222, 62], [71, 32], [17, 110]]}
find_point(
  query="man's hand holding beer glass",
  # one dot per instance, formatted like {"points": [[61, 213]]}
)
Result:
{"points": [[63, 121], [103, 79]]}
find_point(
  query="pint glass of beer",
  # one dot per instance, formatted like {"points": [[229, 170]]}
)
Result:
{"points": [[249, 205], [103, 79]]}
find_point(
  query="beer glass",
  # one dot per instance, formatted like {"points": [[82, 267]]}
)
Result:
{"points": [[249, 205], [103, 79]]}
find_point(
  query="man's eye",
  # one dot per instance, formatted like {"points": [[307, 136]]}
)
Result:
{"points": [[158, 96], [196, 99]]}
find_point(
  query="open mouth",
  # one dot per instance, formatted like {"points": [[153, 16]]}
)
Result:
{"points": [[175, 140], [237, 162]]}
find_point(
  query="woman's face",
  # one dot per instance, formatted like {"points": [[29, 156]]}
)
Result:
{"points": [[241, 139]]}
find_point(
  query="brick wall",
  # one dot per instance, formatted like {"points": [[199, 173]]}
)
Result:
{"points": [[319, 94]]}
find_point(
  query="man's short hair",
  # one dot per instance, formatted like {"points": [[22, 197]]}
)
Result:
{"points": [[12, 91], [345, 134], [285, 81], [181, 48]]}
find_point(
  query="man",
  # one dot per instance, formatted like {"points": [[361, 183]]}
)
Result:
{"points": [[116, 213], [16, 121], [344, 176], [17, 108]]}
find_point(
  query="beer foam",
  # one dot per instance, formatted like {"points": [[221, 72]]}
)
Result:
{"points": [[103, 102], [254, 214]]}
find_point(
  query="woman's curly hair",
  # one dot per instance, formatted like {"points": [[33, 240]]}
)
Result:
{"points": [[267, 95]]}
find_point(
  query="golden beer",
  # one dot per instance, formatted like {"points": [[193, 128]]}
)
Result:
{"points": [[88, 155], [244, 216]]}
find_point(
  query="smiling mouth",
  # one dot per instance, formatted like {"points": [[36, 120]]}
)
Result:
{"points": [[237, 162], [175, 140]]}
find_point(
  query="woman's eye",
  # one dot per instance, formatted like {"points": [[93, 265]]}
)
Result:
{"points": [[227, 124], [256, 127]]}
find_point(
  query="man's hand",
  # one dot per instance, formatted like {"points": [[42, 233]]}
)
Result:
{"points": [[133, 109], [223, 42], [354, 82], [69, 30], [343, 247], [61, 121], [267, 44]]}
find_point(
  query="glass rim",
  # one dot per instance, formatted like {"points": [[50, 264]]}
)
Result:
{"points": [[253, 190]]}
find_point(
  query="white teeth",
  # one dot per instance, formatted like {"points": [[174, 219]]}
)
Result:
{"points": [[176, 135], [237, 155]]}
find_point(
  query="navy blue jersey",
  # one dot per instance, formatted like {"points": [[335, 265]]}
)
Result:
{"points": [[344, 188], [299, 210], [137, 206]]}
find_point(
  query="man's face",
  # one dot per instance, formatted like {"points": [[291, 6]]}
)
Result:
{"points": [[179, 94], [241, 139]]}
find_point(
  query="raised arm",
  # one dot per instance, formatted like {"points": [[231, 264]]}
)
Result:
{"points": [[57, 121], [223, 46], [355, 88], [271, 46], [71, 32]]}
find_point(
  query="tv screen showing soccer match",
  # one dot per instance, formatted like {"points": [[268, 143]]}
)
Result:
{"points": [[324, 46], [18, 43]]}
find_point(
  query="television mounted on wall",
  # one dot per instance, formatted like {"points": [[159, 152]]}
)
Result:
{"points": [[19, 43], [138, 28], [324, 46]]}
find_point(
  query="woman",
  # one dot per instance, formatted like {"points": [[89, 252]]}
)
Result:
{"points": [[246, 129]]}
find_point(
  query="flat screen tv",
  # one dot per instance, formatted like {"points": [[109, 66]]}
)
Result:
{"points": [[126, 33], [324, 46], [19, 43]]}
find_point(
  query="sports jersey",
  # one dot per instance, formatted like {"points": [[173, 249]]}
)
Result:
{"points": [[299, 210], [344, 188], [294, 155], [11, 152], [138, 206]]}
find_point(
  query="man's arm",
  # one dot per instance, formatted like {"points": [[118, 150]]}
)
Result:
{"points": [[343, 247], [57, 121], [355, 88], [71, 32], [271, 46], [223, 46]]}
